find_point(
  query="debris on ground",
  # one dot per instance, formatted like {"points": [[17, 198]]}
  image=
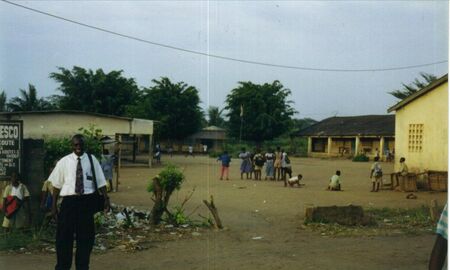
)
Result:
{"points": [[123, 228]]}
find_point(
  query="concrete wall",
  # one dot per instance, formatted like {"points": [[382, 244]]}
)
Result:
{"points": [[36, 126], [431, 110]]}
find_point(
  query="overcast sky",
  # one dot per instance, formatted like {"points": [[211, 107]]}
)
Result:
{"points": [[319, 34]]}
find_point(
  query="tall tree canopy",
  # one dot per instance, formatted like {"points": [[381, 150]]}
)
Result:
{"points": [[3, 101], [215, 117], [174, 105], [28, 101], [416, 85], [266, 112], [299, 124], [100, 92]]}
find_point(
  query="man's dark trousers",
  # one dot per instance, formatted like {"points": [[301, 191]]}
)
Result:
{"points": [[75, 220]]}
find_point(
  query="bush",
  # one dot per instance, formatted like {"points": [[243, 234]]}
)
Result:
{"points": [[56, 148], [170, 179], [360, 158]]}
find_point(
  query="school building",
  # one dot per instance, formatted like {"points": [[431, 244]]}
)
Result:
{"points": [[212, 136], [66, 123], [351, 135], [421, 128]]}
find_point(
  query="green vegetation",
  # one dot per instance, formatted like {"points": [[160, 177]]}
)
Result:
{"points": [[263, 110], [27, 101], [99, 92], [174, 105], [56, 148], [361, 158], [416, 85], [162, 186]]}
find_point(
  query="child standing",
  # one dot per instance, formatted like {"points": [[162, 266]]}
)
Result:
{"points": [[259, 163], [226, 159], [376, 173], [17, 194], [107, 163], [270, 157]]}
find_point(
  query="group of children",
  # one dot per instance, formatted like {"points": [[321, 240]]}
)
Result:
{"points": [[277, 166]]}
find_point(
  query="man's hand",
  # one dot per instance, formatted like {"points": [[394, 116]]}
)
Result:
{"points": [[55, 213], [107, 206]]}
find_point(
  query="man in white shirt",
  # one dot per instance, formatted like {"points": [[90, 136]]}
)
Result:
{"points": [[72, 179]]}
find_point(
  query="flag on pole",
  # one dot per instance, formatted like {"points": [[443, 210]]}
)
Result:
{"points": [[242, 110]]}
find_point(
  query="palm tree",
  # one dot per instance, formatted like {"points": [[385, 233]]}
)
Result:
{"points": [[416, 85], [3, 101], [215, 117], [28, 101]]}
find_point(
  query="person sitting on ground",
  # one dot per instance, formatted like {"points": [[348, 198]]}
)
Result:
{"points": [[16, 204], [335, 182], [258, 161], [295, 180], [376, 174], [226, 159], [403, 168]]}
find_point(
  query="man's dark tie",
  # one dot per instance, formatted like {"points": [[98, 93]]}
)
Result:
{"points": [[79, 188]]}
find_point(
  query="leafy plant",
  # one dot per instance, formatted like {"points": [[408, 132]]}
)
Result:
{"points": [[360, 158], [56, 148], [162, 187]]}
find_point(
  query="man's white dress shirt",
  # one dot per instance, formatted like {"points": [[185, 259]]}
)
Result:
{"points": [[63, 176]]}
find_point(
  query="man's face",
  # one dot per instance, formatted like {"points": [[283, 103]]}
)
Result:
{"points": [[78, 146]]}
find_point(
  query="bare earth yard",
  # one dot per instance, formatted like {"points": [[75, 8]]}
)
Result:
{"points": [[263, 209]]}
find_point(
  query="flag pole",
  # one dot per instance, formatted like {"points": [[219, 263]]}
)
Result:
{"points": [[242, 123]]}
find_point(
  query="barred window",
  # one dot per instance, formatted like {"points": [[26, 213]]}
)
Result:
{"points": [[415, 137]]}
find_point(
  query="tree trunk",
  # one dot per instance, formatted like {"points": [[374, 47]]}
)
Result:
{"points": [[159, 206], [214, 212]]}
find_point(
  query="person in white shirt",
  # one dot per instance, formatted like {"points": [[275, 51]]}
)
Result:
{"points": [[335, 182], [72, 179], [295, 180]]}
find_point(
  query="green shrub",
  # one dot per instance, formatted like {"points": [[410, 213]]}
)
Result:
{"points": [[56, 148], [360, 158], [170, 179]]}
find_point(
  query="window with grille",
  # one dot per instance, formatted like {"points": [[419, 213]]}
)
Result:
{"points": [[415, 137]]}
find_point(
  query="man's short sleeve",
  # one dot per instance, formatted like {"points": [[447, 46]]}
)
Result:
{"points": [[6, 191], [26, 193], [442, 223], [101, 181], [57, 175]]}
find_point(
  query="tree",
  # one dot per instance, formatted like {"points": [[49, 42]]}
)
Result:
{"points": [[3, 101], [99, 92], [299, 124], [174, 105], [162, 187], [28, 101], [215, 117], [416, 85], [266, 112]]}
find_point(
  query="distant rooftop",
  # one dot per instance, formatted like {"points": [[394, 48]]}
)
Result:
{"points": [[364, 125]]}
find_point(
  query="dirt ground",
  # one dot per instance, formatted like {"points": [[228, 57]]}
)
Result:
{"points": [[267, 210]]}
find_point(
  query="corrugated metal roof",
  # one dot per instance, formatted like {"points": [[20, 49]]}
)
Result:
{"points": [[364, 125]]}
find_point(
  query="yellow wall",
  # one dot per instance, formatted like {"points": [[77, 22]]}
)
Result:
{"points": [[431, 110]]}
